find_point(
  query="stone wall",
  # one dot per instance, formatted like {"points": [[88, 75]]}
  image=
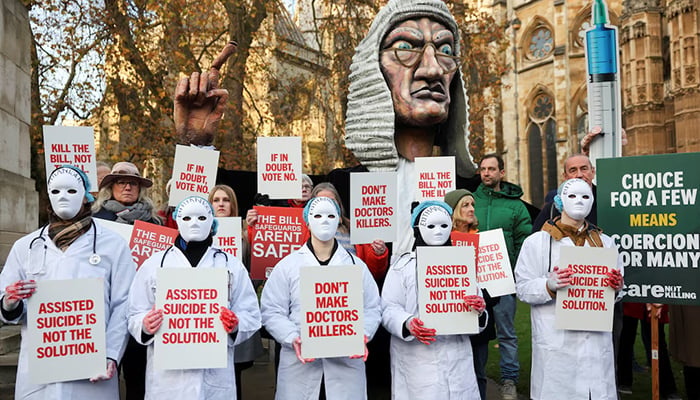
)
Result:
{"points": [[18, 197]]}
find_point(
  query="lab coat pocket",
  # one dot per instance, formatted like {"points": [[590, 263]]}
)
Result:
{"points": [[420, 367], [219, 377]]}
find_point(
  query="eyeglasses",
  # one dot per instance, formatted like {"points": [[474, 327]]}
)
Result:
{"points": [[409, 58], [123, 184], [307, 187]]}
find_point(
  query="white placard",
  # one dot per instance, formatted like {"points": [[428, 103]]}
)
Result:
{"points": [[332, 311], [587, 304], [493, 265], [444, 276], [192, 335], [279, 167], [123, 230], [373, 203], [194, 173], [66, 330], [74, 145], [228, 236], [436, 176]]}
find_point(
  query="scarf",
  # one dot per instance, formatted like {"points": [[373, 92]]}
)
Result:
{"points": [[587, 233], [128, 214], [194, 251], [65, 232]]}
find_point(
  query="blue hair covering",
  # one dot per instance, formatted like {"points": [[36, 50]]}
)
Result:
{"points": [[215, 224], [83, 177], [557, 199], [428, 203], [307, 207]]}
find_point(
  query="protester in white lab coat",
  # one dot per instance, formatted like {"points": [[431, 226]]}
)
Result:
{"points": [[193, 249], [566, 364], [298, 378], [71, 246], [423, 365]]}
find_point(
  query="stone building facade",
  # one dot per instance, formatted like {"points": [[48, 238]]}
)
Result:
{"points": [[19, 200], [544, 97]]}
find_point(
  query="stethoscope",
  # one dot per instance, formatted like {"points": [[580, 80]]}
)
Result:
{"points": [[94, 259]]}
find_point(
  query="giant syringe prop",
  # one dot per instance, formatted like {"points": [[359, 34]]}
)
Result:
{"points": [[604, 106]]}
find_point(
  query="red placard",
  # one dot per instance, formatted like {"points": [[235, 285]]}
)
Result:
{"points": [[278, 232], [467, 239], [147, 239]]}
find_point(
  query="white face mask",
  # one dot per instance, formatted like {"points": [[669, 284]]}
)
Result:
{"points": [[194, 219], [435, 225], [66, 193], [577, 199], [323, 218]]}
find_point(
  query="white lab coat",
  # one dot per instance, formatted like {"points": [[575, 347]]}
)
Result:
{"points": [[117, 269], [281, 313], [442, 370], [571, 365], [192, 384]]}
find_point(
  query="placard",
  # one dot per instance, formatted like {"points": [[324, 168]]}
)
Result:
{"points": [[462, 239], [73, 145], [445, 276], [194, 173], [494, 272], [649, 206], [586, 304], [66, 330], [123, 230], [228, 236], [332, 310], [147, 239], [436, 176], [279, 167], [373, 207], [192, 335], [278, 232]]}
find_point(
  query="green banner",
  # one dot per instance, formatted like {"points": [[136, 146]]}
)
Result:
{"points": [[650, 206]]}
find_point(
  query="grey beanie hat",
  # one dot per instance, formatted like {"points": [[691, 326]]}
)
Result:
{"points": [[369, 122]]}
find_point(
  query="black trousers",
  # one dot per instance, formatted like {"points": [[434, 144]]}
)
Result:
{"points": [[133, 366]]}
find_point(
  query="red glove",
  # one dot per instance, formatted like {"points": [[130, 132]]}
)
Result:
{"points": [[475, 303], [615, 279], [297, 349], [363, 356], [424, 335], [559, 278], [17, 292], [111, 369], [152, 321], [229, 319]]}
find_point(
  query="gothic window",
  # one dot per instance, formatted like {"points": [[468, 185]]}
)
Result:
{"points": [[534, 139], [581, 32], [541, 43], [542, 146]]}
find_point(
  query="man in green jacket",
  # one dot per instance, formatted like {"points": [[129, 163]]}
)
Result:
{"points": [[498, 205]]}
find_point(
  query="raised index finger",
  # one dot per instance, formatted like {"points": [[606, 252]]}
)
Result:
{"points": [[219, 61]]}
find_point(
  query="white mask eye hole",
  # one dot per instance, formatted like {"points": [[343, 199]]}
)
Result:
{"points": [[317, 216], [443, 226], [331, 216], [572, 196], [431, 226], [55, 191], [186, 218], [72, 191], [202, 218], [585, 196]]}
